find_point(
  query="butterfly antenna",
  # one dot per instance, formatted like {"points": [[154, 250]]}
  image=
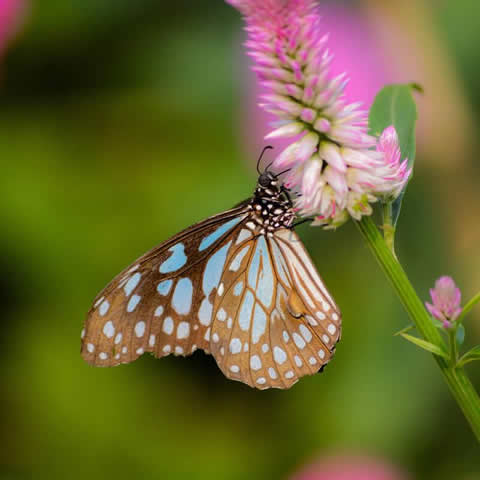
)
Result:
{"points": [[285, 171], [268, 147]]}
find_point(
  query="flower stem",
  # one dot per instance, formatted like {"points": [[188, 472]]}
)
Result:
{"points": [[452, 337], [388, 228], [456, 378]]}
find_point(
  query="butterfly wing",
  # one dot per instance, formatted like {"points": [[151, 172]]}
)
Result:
{"points": [[161, 304], [274, 321]]}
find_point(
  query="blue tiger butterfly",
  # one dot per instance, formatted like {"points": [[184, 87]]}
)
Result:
{"points": [[239, 285]]}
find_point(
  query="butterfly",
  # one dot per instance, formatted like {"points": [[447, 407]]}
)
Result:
{"points": [[239, 285]]}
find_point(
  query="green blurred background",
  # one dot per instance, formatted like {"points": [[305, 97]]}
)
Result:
{"points": [[122, 123]]}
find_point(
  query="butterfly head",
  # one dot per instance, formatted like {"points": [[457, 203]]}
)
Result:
{"points": [[271, 203]]}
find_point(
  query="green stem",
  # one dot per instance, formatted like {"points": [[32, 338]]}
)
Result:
{"points": [[388, 228], [456, 378], [452, 337]]}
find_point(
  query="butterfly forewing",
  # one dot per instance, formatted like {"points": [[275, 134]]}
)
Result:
{"points": [[158, 304]]}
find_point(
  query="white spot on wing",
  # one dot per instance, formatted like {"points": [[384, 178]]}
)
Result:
{"points": [[235, 346], [235, 368], [273, 373], [140, 329], [158, 311], [255, 363], [279, 355], [307, 335], [151, 341], [118, 338], [168, 325], [183, 330], [298, 361], [90, 347], [222, 315], [109, 329], [289, 374], [299, 341], [103, 356], [205, 312], [331, 329], [261, 381]]}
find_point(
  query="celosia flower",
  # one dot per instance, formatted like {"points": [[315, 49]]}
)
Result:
{"points": [[335, 167], [446, 298]]}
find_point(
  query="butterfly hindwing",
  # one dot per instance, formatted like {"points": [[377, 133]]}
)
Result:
{"points": [[274, 321], [159, 303]]}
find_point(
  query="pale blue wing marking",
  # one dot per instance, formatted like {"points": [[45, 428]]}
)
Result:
{"points": [[214, 269], [281, 266], [259, 323], [211, 278], [176, 261], [246, 311], [214, 236], [164, 287], [238, 289], [260, 274], [132, 284], [182, 296]]}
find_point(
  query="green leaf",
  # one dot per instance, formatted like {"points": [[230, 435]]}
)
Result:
{"points": [[471, 356], [404, 330], [394, 105], [430, 347], [460, 334], [466, 309]]}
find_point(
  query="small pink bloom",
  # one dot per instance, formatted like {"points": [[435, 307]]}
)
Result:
{"points": [[395, 173], [349, 468], [446, 298]]}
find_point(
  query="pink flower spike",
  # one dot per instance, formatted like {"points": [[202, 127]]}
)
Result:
{"points": [[285, 131], [446, 299], [337, 169]]}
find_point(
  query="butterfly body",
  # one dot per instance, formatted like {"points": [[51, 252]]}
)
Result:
{"points": [[238, 285]]}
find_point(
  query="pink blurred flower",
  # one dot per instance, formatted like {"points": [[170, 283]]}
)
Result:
{"points": [[349, 468], [446, 299], [333, 166], [10, 17]]}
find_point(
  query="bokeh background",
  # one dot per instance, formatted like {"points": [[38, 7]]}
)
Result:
{"points": [[121, 123]]}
